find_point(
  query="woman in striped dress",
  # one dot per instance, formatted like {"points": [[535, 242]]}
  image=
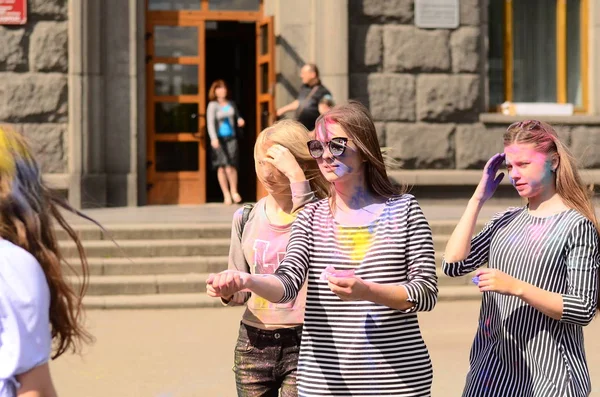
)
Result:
{"points": [[367, 254], [541, 284]]}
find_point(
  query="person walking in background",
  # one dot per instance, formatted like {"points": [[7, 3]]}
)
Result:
{"points": [[306, 106], [367, 255], [37, 304], [222, 121], [541, 284], [266, 353]]}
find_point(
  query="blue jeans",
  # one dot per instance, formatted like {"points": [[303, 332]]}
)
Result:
{"points": [[265, 361]]}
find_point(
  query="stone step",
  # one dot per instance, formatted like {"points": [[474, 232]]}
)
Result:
{"points": [[149, 248], [170, 247], [149, 231], [159, 265], [201, 300], [144, 284], [148, 284], [146, 265], [143, 231]]}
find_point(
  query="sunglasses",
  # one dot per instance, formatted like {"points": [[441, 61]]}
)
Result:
{"points": [[337, 147], [527, 125]]}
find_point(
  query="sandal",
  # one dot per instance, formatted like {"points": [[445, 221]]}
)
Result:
{"points": [[236, 198]]}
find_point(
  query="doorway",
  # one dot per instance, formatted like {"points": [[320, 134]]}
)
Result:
{"points": [[231, 56], [189, 44]]}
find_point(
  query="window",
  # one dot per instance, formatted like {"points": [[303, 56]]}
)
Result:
{"points": [[538, 51]]}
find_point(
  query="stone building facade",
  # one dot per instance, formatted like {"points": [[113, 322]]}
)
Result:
{"points": [[34, 83], [73, 80], [431, 106]]}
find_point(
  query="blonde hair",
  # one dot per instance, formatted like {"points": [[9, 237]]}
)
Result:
{"points": [[569, 185], [294, 136], [356, 120]]}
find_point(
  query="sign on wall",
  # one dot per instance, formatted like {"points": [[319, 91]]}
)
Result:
{"points": [[437, 14], [13, 12]]}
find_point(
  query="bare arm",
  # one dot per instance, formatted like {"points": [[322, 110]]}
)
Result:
{"points": [[266, 286], [459, 244], [394, 296], [549, 303], [36, 383], [288, 108]]}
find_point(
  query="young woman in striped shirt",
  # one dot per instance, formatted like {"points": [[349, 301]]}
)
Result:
{"points": [[367, 254], [541, 284]]}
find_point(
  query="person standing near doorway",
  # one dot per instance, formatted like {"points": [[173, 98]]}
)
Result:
{"points": [[222, 121], [306, 107]]}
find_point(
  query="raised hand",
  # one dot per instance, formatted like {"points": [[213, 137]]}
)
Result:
{"points": [[282, 159], [489, 180], [226, 283]]}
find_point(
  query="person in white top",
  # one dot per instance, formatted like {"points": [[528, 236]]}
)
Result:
{"points": [[37, 306]]}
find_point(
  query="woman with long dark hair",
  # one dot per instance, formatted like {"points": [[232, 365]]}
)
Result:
{"points": [[38, 307]]}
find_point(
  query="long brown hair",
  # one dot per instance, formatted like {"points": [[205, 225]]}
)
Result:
{"points": [[356, 120], [212, 95], [293, 136], [27, 207], [569, 185]]}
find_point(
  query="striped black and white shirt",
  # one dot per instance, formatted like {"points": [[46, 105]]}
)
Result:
{"points": [[518, 350], [359, 348]]}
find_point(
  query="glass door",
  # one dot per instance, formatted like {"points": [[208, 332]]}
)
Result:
{"points": [[176, 149]]}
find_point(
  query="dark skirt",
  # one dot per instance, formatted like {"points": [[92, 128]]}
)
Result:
{"points": [[227, 154]]}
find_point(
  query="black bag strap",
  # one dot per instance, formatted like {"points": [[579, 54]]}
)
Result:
{"points": [[245, 216]]}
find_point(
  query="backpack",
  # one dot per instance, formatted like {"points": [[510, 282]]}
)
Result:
{"points": [[245, 216]]}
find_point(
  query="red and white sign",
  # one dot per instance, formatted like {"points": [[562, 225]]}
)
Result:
{"points": [[13, 12]]}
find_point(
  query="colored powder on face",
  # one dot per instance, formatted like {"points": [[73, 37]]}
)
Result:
{"points": [[342, 169]]}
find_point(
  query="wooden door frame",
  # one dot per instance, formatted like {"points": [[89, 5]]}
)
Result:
{"points": [[268, 97], [188, 18]]}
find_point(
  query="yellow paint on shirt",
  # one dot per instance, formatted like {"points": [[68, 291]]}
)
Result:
{"points": [[357, 240]]}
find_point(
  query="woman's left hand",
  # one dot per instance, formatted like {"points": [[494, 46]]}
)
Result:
{"points": [[281, 158], [241, 122], [348, 288], [497, 281]]}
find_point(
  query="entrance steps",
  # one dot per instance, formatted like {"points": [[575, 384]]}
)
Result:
{"points": [[166, 265]]}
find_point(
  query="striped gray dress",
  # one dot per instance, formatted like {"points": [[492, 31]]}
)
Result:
{"points": [[518, 350], [359, 348]]}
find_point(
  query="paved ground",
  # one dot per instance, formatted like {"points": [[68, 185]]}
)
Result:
{"points": [[185, 353]]}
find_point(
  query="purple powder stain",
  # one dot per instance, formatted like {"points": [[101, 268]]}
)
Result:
{"points": [[341, 169], [372, 228]]}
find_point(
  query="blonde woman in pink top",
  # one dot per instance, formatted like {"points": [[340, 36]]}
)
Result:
{"points": [[266, 354]]}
